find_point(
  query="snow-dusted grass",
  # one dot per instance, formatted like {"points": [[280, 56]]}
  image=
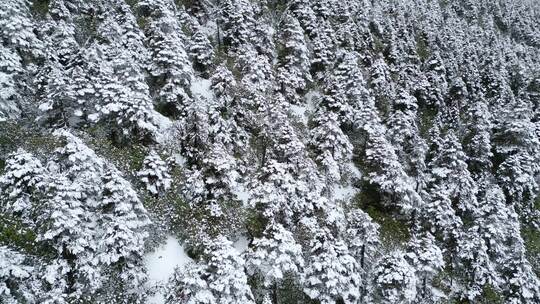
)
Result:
{"points": [[161, 264]]}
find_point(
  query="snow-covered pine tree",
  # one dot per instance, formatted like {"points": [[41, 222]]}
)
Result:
{"points": [[293, 72], [274, 256], [17, 281], [201, 51], [218, 278], [19, 44], [24, 180], [169, 59], [362, 235], [17, 27], [404, 134], [125, 95], [332, 147], [331, 273], [123, 220], [154, 174], [517, 147], [394, 280], [427, 258], [236, 23], [10, 71], [66, 202]]}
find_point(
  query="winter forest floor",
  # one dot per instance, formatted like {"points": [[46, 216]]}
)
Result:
{"points": [[269, 152]]}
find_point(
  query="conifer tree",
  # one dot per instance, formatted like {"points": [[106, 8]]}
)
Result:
{"points": [[293, 73], [331, 274], [154, 174], [237, 23], [331, 146], [24, 179], [16, 278], [126, 100], [427, 258], [394, 280], [218, 278], [201, 51], [169, 59], [274, 256]]}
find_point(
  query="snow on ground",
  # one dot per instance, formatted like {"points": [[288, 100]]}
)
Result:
{"points": [[163, 123], [300, 112], [354, 170], [161, 264], [179, 159], [201, 87], [210, 28], [312, 98], [242, 194], [344, 192], [241, 245]]}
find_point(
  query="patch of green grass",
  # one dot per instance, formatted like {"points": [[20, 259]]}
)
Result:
{"points": [[531, 236], [394, 232], [255, 223], [14, 136], [443, 3], [378, 45], [422, 48], [128, 158], [40, 7], [491, 296], [15, 234], [427, 116]]}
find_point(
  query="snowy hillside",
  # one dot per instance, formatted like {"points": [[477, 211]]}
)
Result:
{"points": [[269, 151]]}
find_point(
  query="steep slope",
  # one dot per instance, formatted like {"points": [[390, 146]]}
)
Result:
{"points": [[368, 151]]}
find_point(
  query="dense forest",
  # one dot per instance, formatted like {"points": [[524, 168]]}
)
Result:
{"points": [[365, 151]]}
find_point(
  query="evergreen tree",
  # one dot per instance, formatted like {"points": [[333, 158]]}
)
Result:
{"points": [[404, 134], [154, 174], [237, 23], [394, 280], [169, 59], [293, 71], [331, 274], [331, 146], [123, 220], [201, 51], [275, 256], [219, 278], [427, 258], [10, 71], [24, 180], [16, 278], [125, 96]]}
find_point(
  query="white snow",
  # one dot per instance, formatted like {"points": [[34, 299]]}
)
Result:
{"points": [[163, 123], [201, 87], [312, 98], [210, 28], [241, 245], [161, 264], [179, 159], [344, 192], [354, 170], [242, 194], [300, 112]]}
